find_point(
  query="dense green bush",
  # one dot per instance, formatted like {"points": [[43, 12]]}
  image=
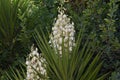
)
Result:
{"points": [[101, 18], [115, 76]]}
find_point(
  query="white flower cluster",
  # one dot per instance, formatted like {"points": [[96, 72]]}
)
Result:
{"points": [[35, 64], [63, 33]]}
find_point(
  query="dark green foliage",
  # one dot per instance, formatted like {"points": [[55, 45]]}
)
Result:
{"points": [[115, 76], [101, 19], [14, 73], [9, 29], [11, 48], [117, 18], [110, 40], [41, 14]]}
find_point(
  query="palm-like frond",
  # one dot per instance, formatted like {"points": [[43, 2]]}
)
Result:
{"points": [[78, 65], [8, 21], [10, 16], [15, 73]]}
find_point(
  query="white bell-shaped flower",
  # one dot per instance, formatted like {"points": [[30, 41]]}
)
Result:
{"points": [[63, 32], [35, 63]]}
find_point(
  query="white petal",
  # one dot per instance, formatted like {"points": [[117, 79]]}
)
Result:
{"points": [[54, 32], [60, 48], [72, 34], [70, 48], [60, 40]]}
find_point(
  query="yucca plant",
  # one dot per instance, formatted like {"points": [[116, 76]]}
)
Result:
{"points": [[11, 15], [10, 29], [8, 22], [64, 59], [77, 65], [65, 63]]}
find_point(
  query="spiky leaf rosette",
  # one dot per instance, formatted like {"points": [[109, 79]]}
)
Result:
{"points": [[80, 64]]}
